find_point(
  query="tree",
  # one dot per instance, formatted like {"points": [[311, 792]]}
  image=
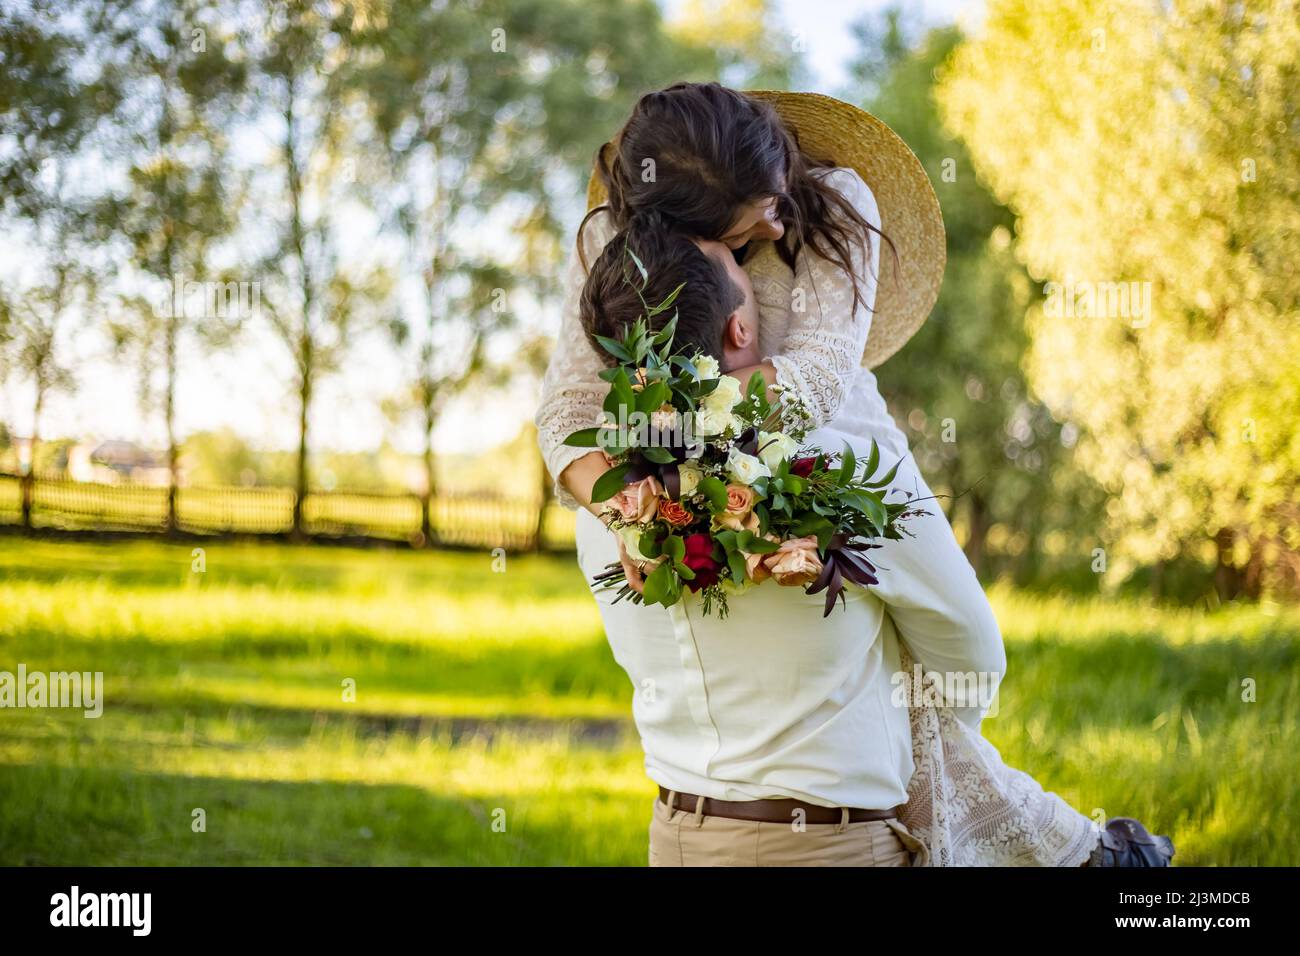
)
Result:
{"points": [[180, 201], [958, 386], [314, 303], [57, 82], [1155, 171], [501, 116], [37, 317]]}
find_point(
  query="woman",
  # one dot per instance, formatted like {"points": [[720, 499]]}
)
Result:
{"points": [[722, 165]]}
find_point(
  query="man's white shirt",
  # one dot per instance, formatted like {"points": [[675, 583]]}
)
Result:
{"points": [[777, 700]]}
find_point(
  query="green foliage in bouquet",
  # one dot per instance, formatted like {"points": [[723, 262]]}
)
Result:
{"points": [[708, 486]]}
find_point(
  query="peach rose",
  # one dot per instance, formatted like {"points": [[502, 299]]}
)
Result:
{"points": [[755, 568], [796, 562], [639, 502], [755, 565], [740, 507]]}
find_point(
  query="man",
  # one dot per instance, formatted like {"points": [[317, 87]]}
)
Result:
{"points": [[776, 736]]}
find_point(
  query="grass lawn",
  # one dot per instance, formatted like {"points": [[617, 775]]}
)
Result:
{"points": [[490, 724]]}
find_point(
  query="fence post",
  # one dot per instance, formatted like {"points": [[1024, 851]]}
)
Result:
{"points": [[27, 484]]}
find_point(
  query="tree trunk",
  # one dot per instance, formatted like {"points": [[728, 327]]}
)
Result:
{"points": [[977, 537], [306, 344], [1157, 586], [430, 479], [304, 406], [173, 455], [28, 481], [1227, 578]]}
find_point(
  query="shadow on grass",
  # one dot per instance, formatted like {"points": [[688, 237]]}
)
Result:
{"points": [[603, 733], [411, 667], [53, 815]]}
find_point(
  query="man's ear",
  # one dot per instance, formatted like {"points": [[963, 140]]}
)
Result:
{"points": [[736, 334]]}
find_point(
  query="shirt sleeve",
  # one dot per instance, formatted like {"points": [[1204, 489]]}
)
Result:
{"points": [[826, 336], [937, 603], [572, 391]]}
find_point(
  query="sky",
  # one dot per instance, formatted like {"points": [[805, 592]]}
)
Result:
{"points": [[247, 389]]}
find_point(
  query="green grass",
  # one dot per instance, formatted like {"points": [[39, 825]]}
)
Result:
{"points": [[490, 724]]}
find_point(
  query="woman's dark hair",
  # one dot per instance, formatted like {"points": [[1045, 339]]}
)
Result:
{"points": [[696, 152], [614, 292]]}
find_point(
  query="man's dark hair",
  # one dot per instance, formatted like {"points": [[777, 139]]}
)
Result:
{"points": [[610, 303]]}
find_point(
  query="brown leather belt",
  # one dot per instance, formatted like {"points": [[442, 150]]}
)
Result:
{"points": [[772, 811]]}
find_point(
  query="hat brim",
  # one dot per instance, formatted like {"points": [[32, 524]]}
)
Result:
{"points": [[845, 135]]}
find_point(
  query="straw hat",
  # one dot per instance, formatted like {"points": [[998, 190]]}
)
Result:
{"points": [[830, 129]]}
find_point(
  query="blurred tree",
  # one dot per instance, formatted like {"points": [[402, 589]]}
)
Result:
{"points": [[957, 386], [220, 458], [753, 49], [315, 304], [1155, 169], [39, 314], [183, 82], [494, 125], [57, 84]]}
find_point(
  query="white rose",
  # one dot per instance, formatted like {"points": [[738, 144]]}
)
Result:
{"points": [[707, 366], [775, 447], [712, 421], [724, 397], [689, 473], [745, 469]]}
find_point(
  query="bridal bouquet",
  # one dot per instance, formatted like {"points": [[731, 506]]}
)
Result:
{"points": [[709, 486]]}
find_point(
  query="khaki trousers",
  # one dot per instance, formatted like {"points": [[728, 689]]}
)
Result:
{"points": [[682, 838]]}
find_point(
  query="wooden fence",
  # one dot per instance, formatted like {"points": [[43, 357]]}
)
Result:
{"points": [[462, 520]]}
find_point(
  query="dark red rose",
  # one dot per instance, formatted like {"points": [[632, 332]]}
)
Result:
{"points": [[802, 466], [699, 558]]}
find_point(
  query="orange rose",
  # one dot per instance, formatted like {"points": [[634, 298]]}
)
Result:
{"points": [[638, 502], [740, 507], [673, 512]]}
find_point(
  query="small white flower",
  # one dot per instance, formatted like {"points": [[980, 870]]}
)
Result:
{"points": [[665, 420], [707, 366], [775, 447], [745, 469]]}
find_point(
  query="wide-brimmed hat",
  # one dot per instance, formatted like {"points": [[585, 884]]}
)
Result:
{"points": [[830, 129]]}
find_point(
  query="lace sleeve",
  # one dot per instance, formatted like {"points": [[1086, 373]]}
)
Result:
{"points": [[824, 340], [572, 392]]}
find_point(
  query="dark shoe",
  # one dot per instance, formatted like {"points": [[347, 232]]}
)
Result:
{"points": [[1126, 842]]}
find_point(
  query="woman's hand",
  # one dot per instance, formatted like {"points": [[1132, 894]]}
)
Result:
{"points": [[581, 476], [630, 569]]}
